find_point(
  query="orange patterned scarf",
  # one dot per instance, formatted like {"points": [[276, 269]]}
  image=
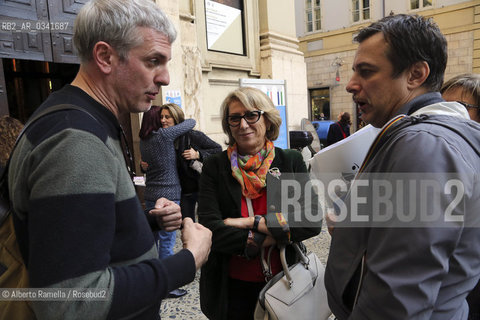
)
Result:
{"points": [[251, 171]]}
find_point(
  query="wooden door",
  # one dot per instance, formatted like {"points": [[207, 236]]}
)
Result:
{"points": [[17, 20], [38, 29], [62, 16]]}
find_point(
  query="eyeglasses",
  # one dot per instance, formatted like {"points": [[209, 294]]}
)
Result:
{"points": [[250, 117], [468, 105]]}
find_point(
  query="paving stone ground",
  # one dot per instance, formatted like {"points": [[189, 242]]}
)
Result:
{"points": [[188, 306]]}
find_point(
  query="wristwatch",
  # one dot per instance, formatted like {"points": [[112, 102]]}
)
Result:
{"points": [[254, 244], [256, 221]]}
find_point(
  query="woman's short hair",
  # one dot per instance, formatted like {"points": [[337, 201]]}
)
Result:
{"points": [[252, 99], [152, 120], [469, 83], [116, 22]]}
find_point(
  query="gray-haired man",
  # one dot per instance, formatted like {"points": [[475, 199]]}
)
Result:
{"points": [[78, 220]]}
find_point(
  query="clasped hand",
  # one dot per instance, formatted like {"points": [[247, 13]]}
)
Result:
{"points": [[168, 214]]}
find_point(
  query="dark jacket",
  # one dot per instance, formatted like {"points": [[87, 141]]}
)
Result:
{"points": [[189, 178], [336, 132], [220, 198]]}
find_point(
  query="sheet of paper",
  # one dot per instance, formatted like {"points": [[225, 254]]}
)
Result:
{"points": [[346, 156]]}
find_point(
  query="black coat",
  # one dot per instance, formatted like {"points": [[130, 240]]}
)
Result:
{"points": [[197, 140], [336, 131], [219, 198]]}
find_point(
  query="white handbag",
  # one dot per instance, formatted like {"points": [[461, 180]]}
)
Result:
{"points": [[298, 292]]}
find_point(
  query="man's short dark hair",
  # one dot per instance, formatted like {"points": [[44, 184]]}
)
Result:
{"points": [[411, 39]]}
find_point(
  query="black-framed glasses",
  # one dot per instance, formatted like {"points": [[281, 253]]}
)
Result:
{"points": [[250, 117], [468, 105]]}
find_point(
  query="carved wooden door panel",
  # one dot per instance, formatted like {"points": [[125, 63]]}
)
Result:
{"points": [[62, 16], [17, 20], [38, 29]]}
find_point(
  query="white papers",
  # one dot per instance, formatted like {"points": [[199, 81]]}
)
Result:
{"points": [[346, 156]]}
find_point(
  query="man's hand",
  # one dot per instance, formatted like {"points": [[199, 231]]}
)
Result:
{"points": [[197, 239], [168, 214]]}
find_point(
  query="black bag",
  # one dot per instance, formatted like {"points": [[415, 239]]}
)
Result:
{"points": [[189, 177]]}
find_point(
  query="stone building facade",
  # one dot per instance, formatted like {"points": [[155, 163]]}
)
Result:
{"points": [[326, 30], [261, 45]]}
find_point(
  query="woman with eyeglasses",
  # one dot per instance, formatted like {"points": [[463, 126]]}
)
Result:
{"points": [[465, 89], [161, 125], [233, 204]]}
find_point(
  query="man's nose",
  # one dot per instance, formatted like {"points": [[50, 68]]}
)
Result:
{"points": [[162, 77], [352, 85]]}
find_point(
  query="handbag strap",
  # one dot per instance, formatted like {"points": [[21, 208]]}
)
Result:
{"points": [[283, 259], [265, 263], [249, 207]]}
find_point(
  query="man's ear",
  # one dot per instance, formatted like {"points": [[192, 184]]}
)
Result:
{"points": [[418, 74], [103, 55]]}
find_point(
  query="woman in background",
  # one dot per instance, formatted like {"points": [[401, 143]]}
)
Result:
{"points": [[192, 149], [340, 129], [10, 128], [465, 89], [160, 127]]}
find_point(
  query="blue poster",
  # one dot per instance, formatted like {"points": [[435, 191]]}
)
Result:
{"points": [[174, 96], [275, 90], [282, 141]]}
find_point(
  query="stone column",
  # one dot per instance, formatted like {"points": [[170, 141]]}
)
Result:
{"points": [[280, 57]]}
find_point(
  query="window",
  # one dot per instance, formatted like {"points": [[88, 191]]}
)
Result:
{"points": [[360, 10], [418, 4], [224, 25], [313, 15], [320, 104]]}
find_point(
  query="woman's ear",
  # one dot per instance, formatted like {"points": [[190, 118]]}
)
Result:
{"points": [[418, 74]]}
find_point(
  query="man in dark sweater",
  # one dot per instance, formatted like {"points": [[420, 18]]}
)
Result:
{"points": [[79, 222]]}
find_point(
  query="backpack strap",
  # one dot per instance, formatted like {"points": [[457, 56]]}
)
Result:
{"points": [[430, 120], [379, 140], [403, 121], [4, 178]]}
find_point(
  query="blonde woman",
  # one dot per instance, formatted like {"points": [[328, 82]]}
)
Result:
{"points": [[232, 278]]}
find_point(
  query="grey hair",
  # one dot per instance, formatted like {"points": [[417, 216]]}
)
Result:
{"points": [[116, 22]]}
